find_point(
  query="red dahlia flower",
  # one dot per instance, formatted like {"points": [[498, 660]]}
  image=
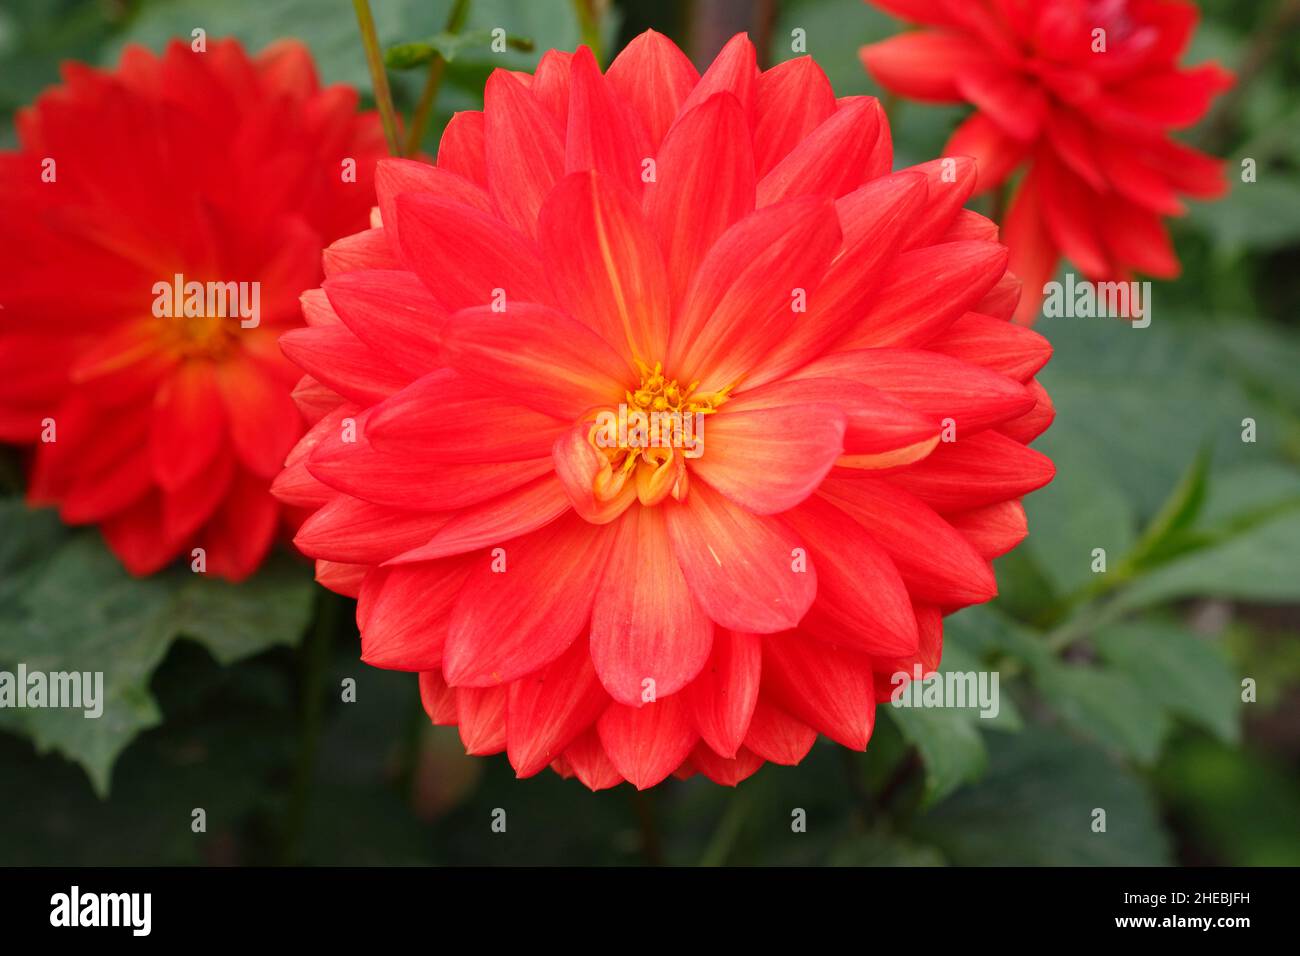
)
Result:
{"points": [[730, 249], [1083, 94], [134, 193]]}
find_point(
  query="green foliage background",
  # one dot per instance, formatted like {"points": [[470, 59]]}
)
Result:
{"points": [[1120, 691]]}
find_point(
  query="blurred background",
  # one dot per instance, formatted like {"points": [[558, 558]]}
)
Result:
{"points": [[1122, 691]]}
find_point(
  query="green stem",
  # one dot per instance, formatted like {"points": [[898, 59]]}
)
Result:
{"points": [[433, 82], [314, 656], [378, 76], [589, 25]]}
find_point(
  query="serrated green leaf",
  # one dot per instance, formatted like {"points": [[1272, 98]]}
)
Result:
{"points": [[1035, 805], [1107, 706], [67, 605], [1187, 674], [951, 746]]}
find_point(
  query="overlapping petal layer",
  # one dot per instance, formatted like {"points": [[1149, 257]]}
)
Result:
{"points": [[1083, 95], [158, 416], [834, 338]]}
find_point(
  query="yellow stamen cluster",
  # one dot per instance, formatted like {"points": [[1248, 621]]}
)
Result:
{"points": [[656, 468]]}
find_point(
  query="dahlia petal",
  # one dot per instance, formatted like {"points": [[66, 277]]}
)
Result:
{"points": [[416, 483], [862, 601], [740, 567], [1017, 106], [481, 719], [605, 264], [791, 100], [768, 459], [524, 146], [734, 70], [359, 532], [524, 604], [723, 695], [603, 134], [928, 290], [462, 149], [1034, 253], [935, 562], [995, 344], [438, 699], [445, 415], [135, 537], [404, 613], [187, 507], [539, 357], [647, 743], [977, 470], [724, 771], [466, 257], [590, 763], [495, 521], [952, 181], [777, 737], [1035, 421], [393, 177], [392, 313], [704, 182], [369, 249], [334, 356], [832, 160], [342, 579], [548, 710], [935, 385], [874, 422], [188, 424], [241, 532], [994, 529], [1072, 216], [970, 226], [1138, 238], [645, 625], [577, 465], [1079, 147], [94, 497], [655, 77], [742, 301], [923, 65], [826, 686], [995, 152], [552, 83], [873, 219], [264, 421]]}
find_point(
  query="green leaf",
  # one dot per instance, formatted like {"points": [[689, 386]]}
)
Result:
{"points": [[1186, 674], [1259, 216], [1107, 706], [406, 56], [1258, 564], [1035, 807], [1162, 536], [67, 605], [880, 847], [951, 746], [1082, 509]]}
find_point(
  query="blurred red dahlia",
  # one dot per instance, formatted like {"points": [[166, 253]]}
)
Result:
{"points": [[200, 179], [595, 252], [1083, 94]]}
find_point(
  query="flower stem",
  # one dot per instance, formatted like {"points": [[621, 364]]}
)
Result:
{"points": [[437, 67], [378, 76], [589, 25]]}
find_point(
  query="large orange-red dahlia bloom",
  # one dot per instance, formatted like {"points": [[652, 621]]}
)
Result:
{"points": [[1083, 94], [166, 428], [730, 248]]}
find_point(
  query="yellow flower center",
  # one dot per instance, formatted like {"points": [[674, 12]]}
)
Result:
{"points": [[648, 439]]}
